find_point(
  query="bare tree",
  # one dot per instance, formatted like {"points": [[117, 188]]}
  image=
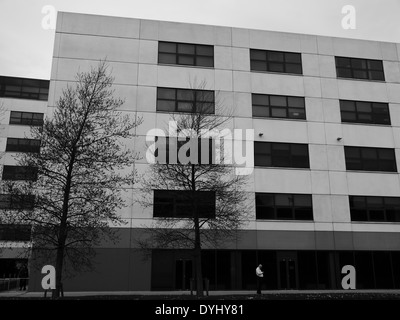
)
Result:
{"points": [[213, 202], [82, 169]]}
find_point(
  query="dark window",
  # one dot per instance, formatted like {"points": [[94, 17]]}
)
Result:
{"points": [[23, 88], [168, 150], [307, 264], [185, 100], [273, 106], [274, 154], [185, 54], [13, 202], [383, 270], [284, 206], [26, 118], [23, 145], [19, 173], [365, 270], [366, 208], [275, 61], [13, 232], [182, 204], [364, 112], [357, 68], [370, 159]]}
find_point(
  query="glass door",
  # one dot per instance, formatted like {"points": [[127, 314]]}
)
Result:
{"points": [[183, 274], [287, 270]]}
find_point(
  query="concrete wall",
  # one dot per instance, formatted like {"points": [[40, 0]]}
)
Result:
{"points": [[130, 47], [16, 131], [115, 269]]}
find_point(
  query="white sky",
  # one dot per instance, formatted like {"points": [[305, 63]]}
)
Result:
{"points": [[26, 48]]}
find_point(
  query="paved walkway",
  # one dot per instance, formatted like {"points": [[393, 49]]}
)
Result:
{"points": [[27, 294]]}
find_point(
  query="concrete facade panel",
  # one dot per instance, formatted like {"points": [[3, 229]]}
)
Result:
{"points": [[373, 184], [322, 208], [389, 51], [279, 84], [99, 48], [123, 73], [318, 157], [281, 131], [261, 39], [362, 90], [223, 58], [310, 64], [364, 135], [283, 181], [148, 51], [314, 109], [98, 25], [356, 48]]}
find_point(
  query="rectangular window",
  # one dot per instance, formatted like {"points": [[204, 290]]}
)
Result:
{"points": [[26, 118], [274, 106], [19, 173], [356, 68], [274, 154], [15, 202], [23, 145], [167, 151], [12, 232], [364, 112], [284, 206], [370, 159], [22, 88], [185, 54], [185, 100], [381, 209], [275, 61], [182, 204]]}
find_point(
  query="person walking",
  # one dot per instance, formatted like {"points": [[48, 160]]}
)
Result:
{"points": [[23, 275], [260, 275]]}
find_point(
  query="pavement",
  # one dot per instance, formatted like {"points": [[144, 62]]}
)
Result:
{"points": [[28, 294]]}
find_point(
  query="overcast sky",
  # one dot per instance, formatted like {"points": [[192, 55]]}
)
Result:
{"points": [[26, 47]]}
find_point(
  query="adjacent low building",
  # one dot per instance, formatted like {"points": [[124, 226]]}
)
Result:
{"points": [[23, 103]]}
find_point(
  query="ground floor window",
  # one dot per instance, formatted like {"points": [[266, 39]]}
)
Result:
{"points": [[283, 269]]}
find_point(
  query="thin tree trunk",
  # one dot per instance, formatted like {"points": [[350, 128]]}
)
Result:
{"points": [[197, 258], [59, 264], [197, 242], [63, 227]]}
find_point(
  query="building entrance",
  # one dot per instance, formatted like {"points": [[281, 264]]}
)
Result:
{"points": [[287, 270], [183, 274]]}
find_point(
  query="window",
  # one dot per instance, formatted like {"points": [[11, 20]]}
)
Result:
{"points": [[273, 106], [178, 203], [274, 154], [185, 100], [364, 112], [19, 173], [382, 209], [356, 68], [167, 151], [26, 118], [284, 206], [370, 159], [12, 232], [13, 202], [22, 145], [23, 88], [275, 61], [185, 54]]}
